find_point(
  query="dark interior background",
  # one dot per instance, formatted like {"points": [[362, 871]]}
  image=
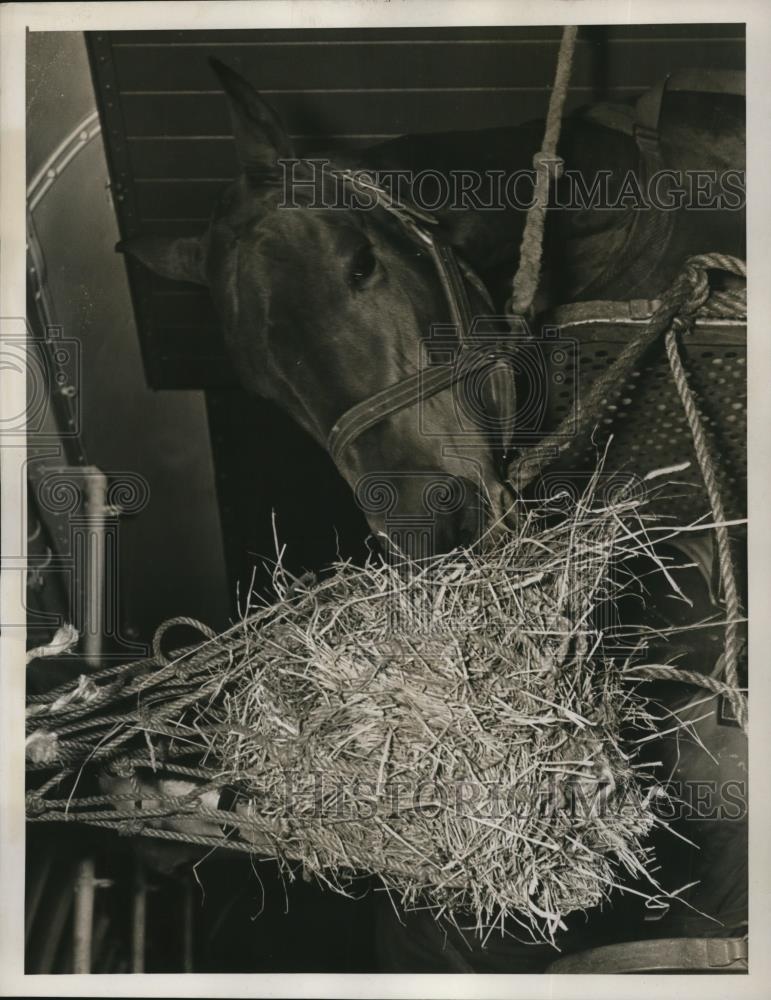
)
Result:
{"points": [[159, 396]]}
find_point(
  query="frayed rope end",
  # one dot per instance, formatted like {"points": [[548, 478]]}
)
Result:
{"points": [[66, 638]]}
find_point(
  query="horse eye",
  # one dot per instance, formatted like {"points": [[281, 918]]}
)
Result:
{"points": [[363, 265]]}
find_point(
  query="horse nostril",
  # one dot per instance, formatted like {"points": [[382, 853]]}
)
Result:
{"points": [[499, 398], [501, 459]]}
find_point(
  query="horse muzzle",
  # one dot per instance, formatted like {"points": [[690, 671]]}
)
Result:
{"points": [[420, 514]]}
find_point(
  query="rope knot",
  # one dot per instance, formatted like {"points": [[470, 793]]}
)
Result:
{"points": [[680, 325], [42, 747], [699, 291], [696, 268], [144, 716], [548, 166], [66, 638], [131, 827], [121, 767], [35, 804]]}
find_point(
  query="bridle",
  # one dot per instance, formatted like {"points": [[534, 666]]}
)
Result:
{"points": [[454, 276]]}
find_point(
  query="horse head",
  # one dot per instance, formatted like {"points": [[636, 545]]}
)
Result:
{"points": [[322, 308]]}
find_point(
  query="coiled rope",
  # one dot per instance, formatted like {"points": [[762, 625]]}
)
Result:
{"points": [[161, 631]]}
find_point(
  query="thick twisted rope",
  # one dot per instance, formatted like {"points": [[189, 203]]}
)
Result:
{"points": [[547, 166], [158, 654], [663, 672], [66, 638], [709, 476]]}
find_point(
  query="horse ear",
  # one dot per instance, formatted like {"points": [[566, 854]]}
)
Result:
{"points": [[261, 138], [180, 259]]}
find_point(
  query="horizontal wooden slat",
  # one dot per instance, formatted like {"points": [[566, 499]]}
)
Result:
{"points": [[176, 339], [152, 158], [185, 355], [185, 371], [359, 67], [366, 66], [187, 200], [334, 36], [322, 114], [187, 307], [170, 227], [497, 34]]}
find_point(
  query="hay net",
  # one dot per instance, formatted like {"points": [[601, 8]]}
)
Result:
{"points": [[464, 728]]}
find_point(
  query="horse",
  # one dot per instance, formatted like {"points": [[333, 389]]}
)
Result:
{"points": [[322, 308]]}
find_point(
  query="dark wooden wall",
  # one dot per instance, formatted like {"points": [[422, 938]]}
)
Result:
{"points": [[168, 135]]}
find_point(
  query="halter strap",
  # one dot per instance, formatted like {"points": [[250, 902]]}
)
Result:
{"points": [[454, 276]]}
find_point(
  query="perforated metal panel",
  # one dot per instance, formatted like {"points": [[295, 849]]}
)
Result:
{"points": [[645, 422]]}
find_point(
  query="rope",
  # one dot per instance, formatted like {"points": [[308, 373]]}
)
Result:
{"points": [[131, 827], [66, 638], [654, 671], [171, 623], [547, 165], [48, 697], [725, 559]]}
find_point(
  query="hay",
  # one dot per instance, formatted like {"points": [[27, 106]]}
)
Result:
{"points": [[452, 726], [463, 728]]}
